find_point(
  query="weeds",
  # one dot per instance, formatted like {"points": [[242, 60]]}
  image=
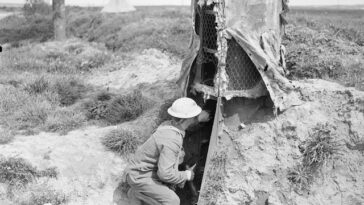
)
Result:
{"points": [[69, 90], [6, 136], [96, 107], [121, 141], [317, 152], [44, 196], [126, 108], [18, 172], [38, 86], [40, 194], [116, 109], [64, 120]]}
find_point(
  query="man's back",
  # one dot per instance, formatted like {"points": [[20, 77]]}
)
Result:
{"points": [[157, 158]]}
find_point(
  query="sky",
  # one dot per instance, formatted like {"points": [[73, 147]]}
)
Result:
{"points": [[187, 2]]}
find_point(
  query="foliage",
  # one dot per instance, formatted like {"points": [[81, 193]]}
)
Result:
{"points": [[63, 120], [326, 44], [115, 109], [317, 151], [44, 196], [38, 86], [20, 110], [18, 172], [6, 136], [69, 90], [97, 106], [126, 108], [320, 148], [121, 141]]}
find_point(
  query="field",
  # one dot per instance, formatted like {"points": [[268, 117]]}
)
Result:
{"points": [[100, 78]]}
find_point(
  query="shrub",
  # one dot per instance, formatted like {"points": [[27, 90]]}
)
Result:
{"points": [[69, 90], [64, 120], [96, 107], [126, 108], [32, 114], [116, 109], [42, 197], [41, 194], [20, 110], [317, 151], [300, 177], [5, 136], [121, 141], [38, 86], [320, 148], [16, 172]]}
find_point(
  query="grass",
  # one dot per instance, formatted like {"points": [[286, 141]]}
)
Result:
{"points": [[121, 141], [317, 152], [69, 90], [115, 109], [43, 85], [41, 195], [6, 137], [63, 120], [16, 172], [326, 44]]}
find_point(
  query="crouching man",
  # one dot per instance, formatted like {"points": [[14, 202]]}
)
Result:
{"points": [[155, 164]]}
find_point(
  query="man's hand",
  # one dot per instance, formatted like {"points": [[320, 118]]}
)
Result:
{"points": [[204, 116], [191, 173]]}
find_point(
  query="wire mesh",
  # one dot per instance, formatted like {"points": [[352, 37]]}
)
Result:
{"points": [[208, 34], [242, 72]]}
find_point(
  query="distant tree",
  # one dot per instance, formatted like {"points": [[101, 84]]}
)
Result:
{"points": [[59, 19]]}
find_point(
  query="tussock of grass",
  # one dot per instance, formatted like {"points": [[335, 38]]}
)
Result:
{"points": [[116, 109], [6, 136], [317, 152], [43, 195], [38, 86], [63, 120], [69, 90], [126, 108], [18, 173], [20, 110], [121, 141]]}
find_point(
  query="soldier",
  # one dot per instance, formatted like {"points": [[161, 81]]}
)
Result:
{"points": [[155, 164]]}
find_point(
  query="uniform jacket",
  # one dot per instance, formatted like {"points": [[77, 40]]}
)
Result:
{"points": [[157, 159]]}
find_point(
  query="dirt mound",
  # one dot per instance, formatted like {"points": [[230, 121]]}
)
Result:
{"points": [[256, 164]]}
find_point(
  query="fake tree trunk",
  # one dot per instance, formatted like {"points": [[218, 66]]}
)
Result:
{"points": [[59, 19]]}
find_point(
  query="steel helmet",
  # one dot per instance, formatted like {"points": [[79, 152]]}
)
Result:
{"points": [[184, 108]]}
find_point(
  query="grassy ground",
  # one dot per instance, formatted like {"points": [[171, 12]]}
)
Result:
{"points": [[42, 81], [324, 44], [327, 44]]}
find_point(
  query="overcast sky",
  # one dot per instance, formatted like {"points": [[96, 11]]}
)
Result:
{"points": [[181, 2]]}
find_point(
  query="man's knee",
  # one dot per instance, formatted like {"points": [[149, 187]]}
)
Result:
{"points": [[173, 199]]}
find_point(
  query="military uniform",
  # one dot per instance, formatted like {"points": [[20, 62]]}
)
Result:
{"points": [[155, 164]]}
